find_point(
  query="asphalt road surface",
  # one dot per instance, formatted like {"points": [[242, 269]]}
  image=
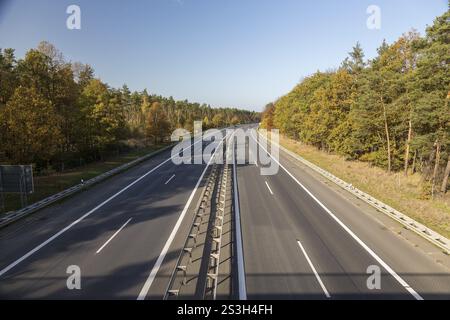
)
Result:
{"points": [[118, 233], [302, 239]]}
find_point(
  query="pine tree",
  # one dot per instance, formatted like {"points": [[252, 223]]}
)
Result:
{"points": [[432, 114], [355, 63]]}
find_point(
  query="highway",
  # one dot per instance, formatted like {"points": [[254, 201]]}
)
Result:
{"points": [[304, 240], [121, 229], [301, 239]]}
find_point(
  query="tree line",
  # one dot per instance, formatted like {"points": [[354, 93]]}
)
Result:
{"points": [[57, 114], [391, 111]]}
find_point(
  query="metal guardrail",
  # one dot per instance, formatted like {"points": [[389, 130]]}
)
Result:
{"points": [[216, 234], [202, 243], [11, 217], [411, 224], [185, 258]]}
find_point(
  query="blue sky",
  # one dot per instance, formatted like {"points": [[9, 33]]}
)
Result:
{"points": [[242, 53]]}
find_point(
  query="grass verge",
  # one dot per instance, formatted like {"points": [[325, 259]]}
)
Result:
{"points": [[397, 190]]}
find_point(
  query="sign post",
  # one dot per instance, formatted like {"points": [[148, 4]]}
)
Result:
{"points": [[2, 197], [16, 179]]}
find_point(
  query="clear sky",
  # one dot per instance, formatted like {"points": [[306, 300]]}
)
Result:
{"points": [[241, 53]]}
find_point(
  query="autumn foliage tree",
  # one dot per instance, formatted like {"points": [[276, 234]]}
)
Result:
{"points": [[56, 114], [158, 127], [391, 111], [31, 132]]}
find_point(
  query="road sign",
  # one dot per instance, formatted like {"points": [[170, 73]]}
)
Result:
{"points": [[16, 179]]}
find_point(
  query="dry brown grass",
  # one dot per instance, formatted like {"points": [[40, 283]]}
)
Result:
{"points": [[400, 192]]}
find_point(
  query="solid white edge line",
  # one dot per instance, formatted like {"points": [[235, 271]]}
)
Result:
{"points": [[43, 244], [171, 178], [268, 187], [400, 280], [242, 287], [113, 236], [316, 274], [148, 283]]}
